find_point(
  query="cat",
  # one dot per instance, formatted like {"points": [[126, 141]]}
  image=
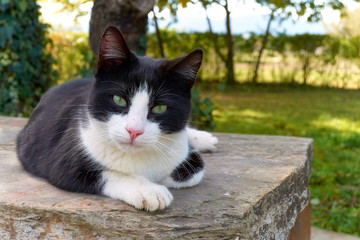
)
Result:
{"points": [[122, 134]]}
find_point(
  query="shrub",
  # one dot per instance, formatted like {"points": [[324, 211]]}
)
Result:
{"points": [[25, 69], [202, 112], [73, 55]]}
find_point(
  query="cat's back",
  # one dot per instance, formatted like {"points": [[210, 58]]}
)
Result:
{"points": [[67, 91], [62, 98], [58, 111]]}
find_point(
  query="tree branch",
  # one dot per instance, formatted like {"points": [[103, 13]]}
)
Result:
{"points": [[212, 35]]}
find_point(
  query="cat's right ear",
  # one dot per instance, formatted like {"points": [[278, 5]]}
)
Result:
{"points": [[113, 49], [187, 66]]}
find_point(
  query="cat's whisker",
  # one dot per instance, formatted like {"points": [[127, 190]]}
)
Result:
{"points": [[168, 139], [65, 154], [190, 165], [164, 147], [77, 146]]}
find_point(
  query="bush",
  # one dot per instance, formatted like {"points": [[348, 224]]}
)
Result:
{"points": [[25, 69], [73, 55], [202, 112]]}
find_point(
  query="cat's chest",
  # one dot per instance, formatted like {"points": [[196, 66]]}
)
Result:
{"points": [[152, 163]]}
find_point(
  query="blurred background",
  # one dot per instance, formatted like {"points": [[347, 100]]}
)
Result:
{"points": [[270, 67]]}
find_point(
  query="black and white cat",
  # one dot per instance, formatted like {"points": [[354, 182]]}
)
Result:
{"points": [[122, 134]]}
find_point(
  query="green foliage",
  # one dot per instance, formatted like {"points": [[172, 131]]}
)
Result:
{"points": [[179, 44], [171, 5], [74, 58], [202, 112], [305, 58], [25, 69], [329, 116], [310, 8]]}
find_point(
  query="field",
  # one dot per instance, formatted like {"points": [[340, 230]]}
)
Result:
{"points": [[329, 116]]}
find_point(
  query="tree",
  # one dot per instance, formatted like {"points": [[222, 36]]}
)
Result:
{"points": [[158, 35], [227, 59], [282, 10], [130, 16], [25, 68], [304, 46], [172, 5], [263, 44]]}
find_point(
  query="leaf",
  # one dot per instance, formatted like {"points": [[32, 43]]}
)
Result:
{"points": [[222, 87], [22, 58], [23, 5]]}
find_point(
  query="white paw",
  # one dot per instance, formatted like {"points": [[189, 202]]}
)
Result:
{"points": [[136, 191], [202, 141], [149, 197]]}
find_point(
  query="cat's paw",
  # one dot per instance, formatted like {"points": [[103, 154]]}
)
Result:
{"points": [[202, 141], [150, 197], [136, 191]]}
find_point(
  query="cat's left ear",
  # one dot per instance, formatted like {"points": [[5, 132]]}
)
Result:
{"points": [[113, 48], [188, 66]]}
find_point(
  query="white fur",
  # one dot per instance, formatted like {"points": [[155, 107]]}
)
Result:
{"points": [[202, 141], [194, 180], [136, 190], [133, 169], [136, 118]]}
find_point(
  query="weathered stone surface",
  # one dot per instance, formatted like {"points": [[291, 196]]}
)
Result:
{"points": [[253, 189]]}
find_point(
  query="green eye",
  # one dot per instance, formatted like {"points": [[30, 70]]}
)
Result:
{"points": [[119, 101], [159, 109]]}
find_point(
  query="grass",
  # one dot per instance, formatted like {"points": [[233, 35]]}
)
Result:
{"points": [[330, 116]]}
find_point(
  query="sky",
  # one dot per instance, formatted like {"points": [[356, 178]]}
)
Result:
{"points": [[247, 16]]}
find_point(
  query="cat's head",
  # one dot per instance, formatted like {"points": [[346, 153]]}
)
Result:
{"points": [[140, 100]]}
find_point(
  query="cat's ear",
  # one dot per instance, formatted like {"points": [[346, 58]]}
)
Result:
{"points": [[187, 66], [113, 48]]}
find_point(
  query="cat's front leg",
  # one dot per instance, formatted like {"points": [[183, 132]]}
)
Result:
{"points": [[136, 191], [188, 173], [201, 141]]}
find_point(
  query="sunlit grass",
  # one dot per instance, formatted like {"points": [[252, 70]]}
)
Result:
{"points": [[330, 116], [340, 124]]}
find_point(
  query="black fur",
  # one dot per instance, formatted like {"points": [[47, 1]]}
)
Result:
{"points": [[192, 165], [49, 146]]}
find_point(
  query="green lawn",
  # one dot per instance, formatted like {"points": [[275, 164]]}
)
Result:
{"points": [[330, 116]]}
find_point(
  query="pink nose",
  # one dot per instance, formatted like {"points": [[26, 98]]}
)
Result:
{"points": [[134, 133]]}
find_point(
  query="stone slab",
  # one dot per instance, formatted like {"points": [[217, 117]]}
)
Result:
{"points": [[253, 188], [321, 234]]}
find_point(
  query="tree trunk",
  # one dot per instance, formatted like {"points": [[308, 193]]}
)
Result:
{"points": [[306, 68], [130, 16], [263, 45], [158, 36], [213, 36], [230, 48], [229, 59]]}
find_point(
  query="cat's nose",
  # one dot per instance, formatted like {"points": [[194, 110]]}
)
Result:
{"points": [[134, 133]]}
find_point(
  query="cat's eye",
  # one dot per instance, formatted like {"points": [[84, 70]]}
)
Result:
{"points": [[119, 101], [159, 109]]}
